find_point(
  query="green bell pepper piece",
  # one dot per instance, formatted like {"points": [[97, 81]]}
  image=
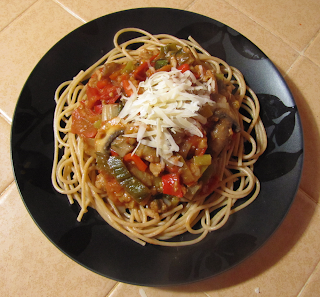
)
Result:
{"points": [[116, 168], [135, 188], [160, 63]]}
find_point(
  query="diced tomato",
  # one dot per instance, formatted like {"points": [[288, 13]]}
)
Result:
{"points": [[194, 140], [102, 83], [127, 87], [137, 160], [93, 95], [98, 107], [115, 74], [171, 185], [113, 188], [83, 120], [184, 67], [105, 90], [140, 72], [110, 93], [124, 76], [199, 144]]}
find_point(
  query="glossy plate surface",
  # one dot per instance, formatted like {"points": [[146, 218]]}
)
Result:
{"points": [[94, 244]]}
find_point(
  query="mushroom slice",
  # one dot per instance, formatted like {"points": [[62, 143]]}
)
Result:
{"points": [[223, 113], [108, 132]]}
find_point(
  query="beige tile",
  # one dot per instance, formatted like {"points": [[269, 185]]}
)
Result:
{"points": [[313, 51], [278, 51], [312, 288], [296, 22], [280, 268], [89, 10], [31, 266], [304, 80], [5, 158], [10, 9], [24, 42]]}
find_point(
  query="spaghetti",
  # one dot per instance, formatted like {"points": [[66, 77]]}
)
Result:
{"points": [[153, 139]]}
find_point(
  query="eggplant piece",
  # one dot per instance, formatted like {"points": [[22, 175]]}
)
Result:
{"points": [[220, 136], [223, 130], [145, 177], [147, 153], [121, 146]]}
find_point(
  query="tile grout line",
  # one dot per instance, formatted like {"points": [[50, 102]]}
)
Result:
{"points": [[291, 66], [310, 42], [5, 117], [190, 4], [261, 25], [19, 15], [300, 53], [112, 289], [308, 196], [69, 11], [296, 60], [308, 58], [307, 281], [6, 189]]}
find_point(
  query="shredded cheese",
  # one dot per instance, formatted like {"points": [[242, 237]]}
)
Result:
{"points": [[166, 103]]}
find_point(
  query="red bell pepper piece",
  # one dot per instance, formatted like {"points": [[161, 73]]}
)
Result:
{"points": [[171, 185], [137, 160], [153, 59], [200, 151], [113, 153], [140, 72]]}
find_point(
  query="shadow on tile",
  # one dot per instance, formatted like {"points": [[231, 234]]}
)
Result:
{"points": [[310, 181]]}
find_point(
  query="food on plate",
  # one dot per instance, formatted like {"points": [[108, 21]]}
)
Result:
{"points": [[159, 137]]}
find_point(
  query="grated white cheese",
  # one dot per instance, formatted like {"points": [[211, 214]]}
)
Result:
{"points": [[169, 103]]}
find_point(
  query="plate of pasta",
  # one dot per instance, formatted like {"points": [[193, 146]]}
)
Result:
{"points": [[139, 140]]}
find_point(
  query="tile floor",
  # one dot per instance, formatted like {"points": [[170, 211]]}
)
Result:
{"points": [[287, 265]]}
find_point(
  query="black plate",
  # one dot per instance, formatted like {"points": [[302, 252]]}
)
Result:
{"points": [[94, 244]]}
